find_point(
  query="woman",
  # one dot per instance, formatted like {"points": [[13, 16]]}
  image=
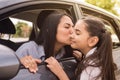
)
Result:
{"points": [[92, 39], [54, 40]]}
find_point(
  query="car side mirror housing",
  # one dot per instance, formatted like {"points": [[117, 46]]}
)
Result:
{"points": [[9, 63]]}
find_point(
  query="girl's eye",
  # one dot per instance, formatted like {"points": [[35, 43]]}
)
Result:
{"points": [[77, 33]]}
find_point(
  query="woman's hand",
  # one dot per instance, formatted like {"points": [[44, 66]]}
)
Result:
{"points": [[56, 68], [30, 63]]}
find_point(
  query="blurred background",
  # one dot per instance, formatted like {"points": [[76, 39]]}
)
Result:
{"points": [[112, 6]]}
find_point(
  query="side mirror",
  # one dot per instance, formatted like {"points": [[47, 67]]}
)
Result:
{"points": [[9, 63]]}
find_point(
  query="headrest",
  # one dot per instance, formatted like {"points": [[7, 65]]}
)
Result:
{"points": [[7, 27], [42, 16]]}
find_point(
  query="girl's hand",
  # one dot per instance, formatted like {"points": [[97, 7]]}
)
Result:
{"points": [[78, 55], [30, 63], [56, 68]]}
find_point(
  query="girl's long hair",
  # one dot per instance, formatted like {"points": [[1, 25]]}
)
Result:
{"points": [[102, 57]]}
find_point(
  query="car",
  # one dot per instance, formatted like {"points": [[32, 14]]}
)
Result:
{"points": [[14, 13]]}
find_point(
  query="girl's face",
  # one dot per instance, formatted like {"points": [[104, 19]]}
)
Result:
{"points": [[64, 31], [80, 37]]}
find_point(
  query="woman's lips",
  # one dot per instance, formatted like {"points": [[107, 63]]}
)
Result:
{"points": [[72, 42]]}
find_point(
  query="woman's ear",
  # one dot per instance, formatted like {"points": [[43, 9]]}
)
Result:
{"points": [[93, 41]]}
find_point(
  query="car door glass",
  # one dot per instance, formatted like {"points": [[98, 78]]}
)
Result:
{"points": [[113, 35], [23, 30]]}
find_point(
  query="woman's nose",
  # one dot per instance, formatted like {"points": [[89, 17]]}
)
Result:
{"points": [[71, 31], [72, 35]]}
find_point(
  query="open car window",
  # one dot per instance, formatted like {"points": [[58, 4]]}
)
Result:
{"points": [[23, 30]]}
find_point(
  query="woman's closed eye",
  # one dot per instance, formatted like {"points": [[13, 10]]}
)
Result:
{"points": [[67, 26]]}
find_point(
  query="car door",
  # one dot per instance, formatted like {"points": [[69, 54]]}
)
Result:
{"points": [[29, 11]]}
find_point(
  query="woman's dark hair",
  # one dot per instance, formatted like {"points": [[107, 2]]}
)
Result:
{"points": [[102, 57], [48, 31], [40, 21]]}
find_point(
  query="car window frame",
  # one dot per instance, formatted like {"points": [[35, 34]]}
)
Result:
{"points": [[16, 8], [33, 5], [103, 16]]}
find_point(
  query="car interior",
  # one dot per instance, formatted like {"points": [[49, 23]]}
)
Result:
{"points": [[33, 34], [9, 29]]}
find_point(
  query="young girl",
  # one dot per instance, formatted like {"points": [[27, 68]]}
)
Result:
{"points": [[92, 39]]}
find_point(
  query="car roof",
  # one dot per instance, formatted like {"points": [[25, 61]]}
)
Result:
{"points": [[7, 3]]}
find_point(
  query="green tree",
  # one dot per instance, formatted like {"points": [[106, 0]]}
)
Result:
{"points": [[21, 29], [105, 4], [18, 29], [117, 6]]}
